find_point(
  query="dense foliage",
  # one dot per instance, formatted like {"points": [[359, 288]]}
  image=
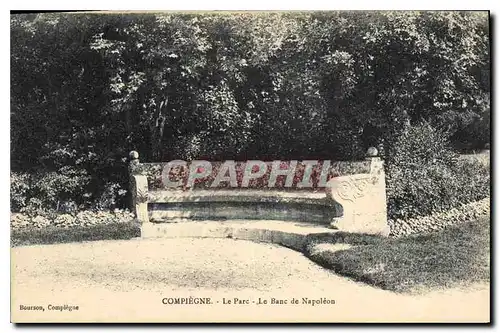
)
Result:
{"points": [[425, 176], [88, 88]]}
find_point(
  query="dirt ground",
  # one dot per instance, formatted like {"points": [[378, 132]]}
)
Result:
{"points": [[129, 281]]}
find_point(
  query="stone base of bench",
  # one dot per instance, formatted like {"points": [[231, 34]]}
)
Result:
{"points": [[285, 233]]}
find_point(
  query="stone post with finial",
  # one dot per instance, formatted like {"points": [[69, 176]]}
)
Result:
{"points": [[376, 163], [363, 199], [138, 189]]}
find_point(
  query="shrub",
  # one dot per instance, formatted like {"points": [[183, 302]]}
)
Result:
{"points": [[474, 177], [42, 192], [19, 188], [110, 197], [425, 176]]}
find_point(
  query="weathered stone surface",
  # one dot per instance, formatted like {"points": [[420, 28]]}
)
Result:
{"points": [[240, 195], [363, 200], [278, 232], [153, 172], [312, 213], [139, 189], [355, 200]]}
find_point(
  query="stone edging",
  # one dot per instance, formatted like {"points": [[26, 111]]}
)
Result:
{"points": [[438, 221]]}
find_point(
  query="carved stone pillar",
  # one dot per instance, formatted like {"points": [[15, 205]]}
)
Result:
{"points": [[363, 199], [139, 190]]}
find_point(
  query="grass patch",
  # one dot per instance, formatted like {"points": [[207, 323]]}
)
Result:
{"points": [[54, 235], [456, 256]]}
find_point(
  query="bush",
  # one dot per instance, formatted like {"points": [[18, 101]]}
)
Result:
{"points": [[42, 192], [19, 190], [64, 191], [110, 197], [425, 176]]}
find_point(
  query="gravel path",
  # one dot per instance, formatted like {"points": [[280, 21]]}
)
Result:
{"points": [[174, 264], [132, 277]]}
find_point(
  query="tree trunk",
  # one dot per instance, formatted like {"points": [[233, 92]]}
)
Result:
{"points": [[157, 127]]}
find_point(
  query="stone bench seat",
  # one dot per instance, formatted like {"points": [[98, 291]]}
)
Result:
{"points": [[240, 195], [172, 206]]}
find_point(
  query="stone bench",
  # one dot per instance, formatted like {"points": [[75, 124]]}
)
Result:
{"points": [[354, 201]]}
